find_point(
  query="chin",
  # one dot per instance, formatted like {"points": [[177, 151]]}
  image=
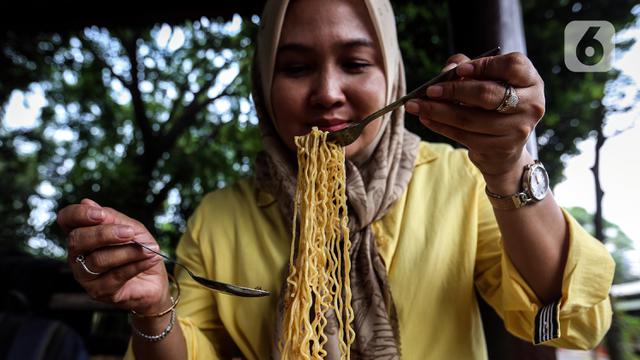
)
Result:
{"points": [[359, 151], [355, 151], [349, 152]]}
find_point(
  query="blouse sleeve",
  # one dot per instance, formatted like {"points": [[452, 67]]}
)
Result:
{"points": [[579, 319]]}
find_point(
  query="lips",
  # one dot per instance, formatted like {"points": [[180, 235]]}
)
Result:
{"points": [[331, 124]]}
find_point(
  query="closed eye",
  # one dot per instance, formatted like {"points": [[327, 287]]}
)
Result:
{"points": [[356, 66], [295, 70]]}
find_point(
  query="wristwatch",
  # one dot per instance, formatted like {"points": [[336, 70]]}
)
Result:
{"points": [[534, 187]]}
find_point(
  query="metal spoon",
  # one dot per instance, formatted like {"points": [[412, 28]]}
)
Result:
{"points": [[349, 134], [212, 284]]}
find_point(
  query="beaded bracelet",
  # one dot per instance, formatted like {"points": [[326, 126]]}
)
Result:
{"points": [[162, 335], [164, 312]]}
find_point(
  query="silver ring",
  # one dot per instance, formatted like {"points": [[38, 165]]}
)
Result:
{"points": [[509, 101], [83, 262]]}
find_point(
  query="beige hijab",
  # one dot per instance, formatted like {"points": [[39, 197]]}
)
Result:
{"points": [[374, 183]]}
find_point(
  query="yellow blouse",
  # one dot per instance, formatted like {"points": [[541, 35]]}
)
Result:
{"points": [[439, 242]]}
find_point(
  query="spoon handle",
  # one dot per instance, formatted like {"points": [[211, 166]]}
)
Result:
{"points": [[230, 289]]}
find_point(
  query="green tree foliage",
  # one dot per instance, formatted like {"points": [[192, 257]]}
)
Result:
{"points": [[574, 100], [141, 125], [618, 242], [423, 38], [18, 181], [25, 59], [625, 329]]}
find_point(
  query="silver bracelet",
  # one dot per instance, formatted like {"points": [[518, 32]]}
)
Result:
{"points": [[162, 335]]}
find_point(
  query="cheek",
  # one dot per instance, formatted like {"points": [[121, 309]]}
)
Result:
{"points": [[369, 95], [281, 101], [286, 110], [367, 98]]}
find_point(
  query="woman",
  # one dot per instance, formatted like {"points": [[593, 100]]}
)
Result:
{"points": [[423, 230]]}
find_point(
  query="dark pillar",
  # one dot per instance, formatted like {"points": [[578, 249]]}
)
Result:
{"points": [[477, 26]]}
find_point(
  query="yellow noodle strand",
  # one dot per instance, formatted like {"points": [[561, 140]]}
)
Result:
{"points": [[319, 272]]}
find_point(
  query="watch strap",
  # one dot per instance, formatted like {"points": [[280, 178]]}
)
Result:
{"points": [[508, 202]]}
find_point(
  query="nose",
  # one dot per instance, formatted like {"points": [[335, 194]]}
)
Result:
{"points": [[327, 90]]}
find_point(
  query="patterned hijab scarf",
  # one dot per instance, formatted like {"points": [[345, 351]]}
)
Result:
{"points": [[374, 182]]}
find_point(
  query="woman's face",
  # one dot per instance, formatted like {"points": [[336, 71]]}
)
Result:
{"points": [[328, 71]]}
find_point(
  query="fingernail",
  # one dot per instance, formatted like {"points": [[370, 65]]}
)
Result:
{"points": [[434, 91], [95, 214], [124, 231], [449, 67], [412, 107], [465, 69], [90, 202]]}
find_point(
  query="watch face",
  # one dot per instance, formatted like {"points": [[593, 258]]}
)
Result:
{"points": [[539, 182]]}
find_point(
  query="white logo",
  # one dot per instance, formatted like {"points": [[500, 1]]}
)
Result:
{"points": [[588, 46]]}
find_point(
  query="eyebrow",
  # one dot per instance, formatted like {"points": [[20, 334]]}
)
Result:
{"points": [[352, 43]]}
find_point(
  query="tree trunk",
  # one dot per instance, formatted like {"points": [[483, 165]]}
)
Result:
{"points": [[597, 218], [475, 28], [614, 336]]}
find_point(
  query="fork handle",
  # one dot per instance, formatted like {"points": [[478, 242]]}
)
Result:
{"points": [[442, 77], [445, 76]]}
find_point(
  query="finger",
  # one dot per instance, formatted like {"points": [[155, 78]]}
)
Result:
{"points": [[78, 215], [514, 68], [448, 67], [453, 61], [89, 202], [480, 122], [457, 59], [468, 139], [84, 240], [458, 135], [88, 213], [111, 257], [106, 287], [478, 130], [118, 277], [113, 216], [487, 95]]}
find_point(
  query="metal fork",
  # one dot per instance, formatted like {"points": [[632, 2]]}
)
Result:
{"points": [[212, 284], [349, 134]]}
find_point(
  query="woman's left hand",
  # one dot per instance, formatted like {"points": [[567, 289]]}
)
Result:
{"points": [[465, 111]]}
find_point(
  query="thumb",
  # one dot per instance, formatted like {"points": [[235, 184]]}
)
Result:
{"points": [[449, 66]]}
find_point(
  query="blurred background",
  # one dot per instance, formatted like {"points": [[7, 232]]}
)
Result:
{"points": [[146, 111]]}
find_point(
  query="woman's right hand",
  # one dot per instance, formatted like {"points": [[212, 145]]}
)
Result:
{"points": [[129, 276]]}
